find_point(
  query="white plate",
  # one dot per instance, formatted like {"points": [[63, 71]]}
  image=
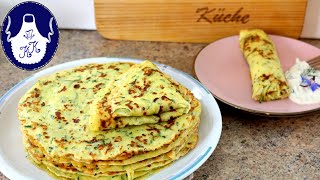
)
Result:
{"points": [[15, 165]]}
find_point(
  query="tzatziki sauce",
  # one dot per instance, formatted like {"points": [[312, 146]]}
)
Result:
{"points": [[304, 82]]}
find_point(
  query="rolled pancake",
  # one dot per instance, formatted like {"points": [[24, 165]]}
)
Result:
{"points": [[268, 79], [142, 95]]}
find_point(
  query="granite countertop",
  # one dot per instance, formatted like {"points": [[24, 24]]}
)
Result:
{"points": [[251, 147]]}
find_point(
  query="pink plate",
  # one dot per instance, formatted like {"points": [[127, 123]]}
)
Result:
{"points": [[222, 69]]}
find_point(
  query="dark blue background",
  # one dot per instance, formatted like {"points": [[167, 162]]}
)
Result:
{"points": [[42, 18]]}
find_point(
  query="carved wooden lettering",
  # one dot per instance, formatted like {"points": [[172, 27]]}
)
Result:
{"points": [[220, 15]]}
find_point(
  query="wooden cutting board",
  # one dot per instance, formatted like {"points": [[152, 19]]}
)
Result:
{"points": [[196, 20]]}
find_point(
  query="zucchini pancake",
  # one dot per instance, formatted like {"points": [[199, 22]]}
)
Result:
{"points": [[108, 121], [268, 80]]}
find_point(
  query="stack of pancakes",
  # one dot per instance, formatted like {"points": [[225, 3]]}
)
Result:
{"points": [[108, 121]]}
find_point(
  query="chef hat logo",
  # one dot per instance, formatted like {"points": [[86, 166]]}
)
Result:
{"points": [[30, 35]]}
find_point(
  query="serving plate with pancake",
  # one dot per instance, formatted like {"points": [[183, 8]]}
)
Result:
{"points": [[45, 120], [223, 69]]}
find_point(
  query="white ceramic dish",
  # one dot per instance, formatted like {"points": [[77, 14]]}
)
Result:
{"points": [[15, 165]]}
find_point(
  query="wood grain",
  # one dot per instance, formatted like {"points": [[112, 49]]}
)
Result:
{"points": [[181, 21]]}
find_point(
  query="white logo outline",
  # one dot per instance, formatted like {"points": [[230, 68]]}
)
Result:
{"points": [[31, 53]]}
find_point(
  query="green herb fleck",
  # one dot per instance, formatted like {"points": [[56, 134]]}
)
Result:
{"points": [[50, 149], [39, 136]]}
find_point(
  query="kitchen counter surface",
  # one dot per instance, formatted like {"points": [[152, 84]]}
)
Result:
{"points": [[251, 147]]}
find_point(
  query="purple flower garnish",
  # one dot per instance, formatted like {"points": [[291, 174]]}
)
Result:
{"points": [[305, 82], [314, 86]]}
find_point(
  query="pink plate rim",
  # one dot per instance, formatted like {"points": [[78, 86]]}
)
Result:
{"points": [[244, 108]]}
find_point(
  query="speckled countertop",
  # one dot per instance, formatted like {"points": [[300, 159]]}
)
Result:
{"points": [[251, 147]]}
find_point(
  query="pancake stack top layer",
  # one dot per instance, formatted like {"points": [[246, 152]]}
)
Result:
{"points": [[139, 96], [108, 121]]}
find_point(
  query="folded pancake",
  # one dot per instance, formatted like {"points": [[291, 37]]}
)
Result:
{"points": [[268, 80], [142, 95], [124, 159], [73, 141], [55, 114]]}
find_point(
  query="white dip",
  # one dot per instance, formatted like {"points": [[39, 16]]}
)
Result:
{"points": [[301, 91]]}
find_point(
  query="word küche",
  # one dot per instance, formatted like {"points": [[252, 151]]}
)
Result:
{"points": [[218, 15]]}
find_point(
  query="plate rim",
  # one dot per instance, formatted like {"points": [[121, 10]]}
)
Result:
{"points": [[10, 172], [242, 108]]}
